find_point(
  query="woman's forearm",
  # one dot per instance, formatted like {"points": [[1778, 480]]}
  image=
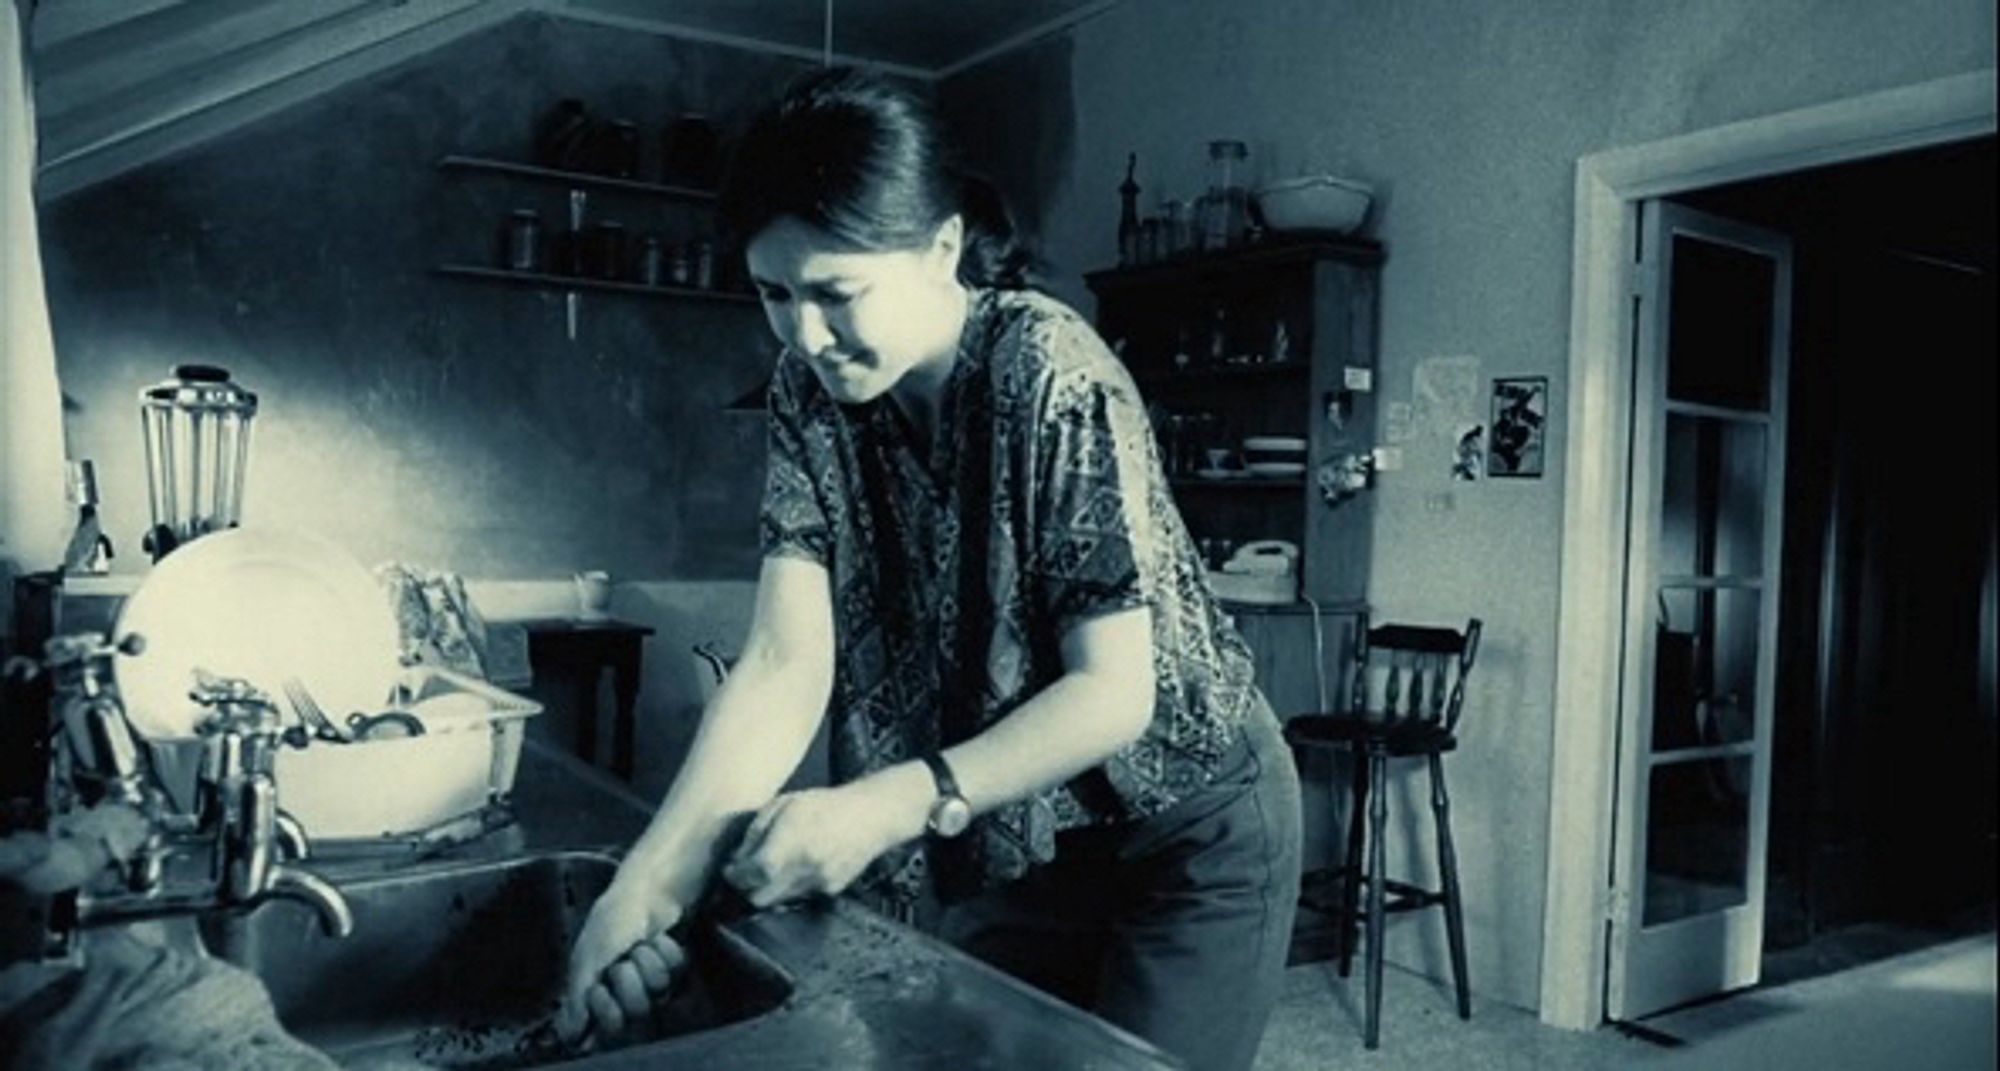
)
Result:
{"points": [[753, 734], [1072, 725], [1077, 722]]}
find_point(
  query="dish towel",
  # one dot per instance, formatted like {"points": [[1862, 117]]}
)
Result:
{"points": [[440, 626], [139, 1002]]}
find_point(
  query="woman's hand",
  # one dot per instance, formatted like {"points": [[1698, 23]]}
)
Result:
{"points": [[817, 841], [623, 962]]}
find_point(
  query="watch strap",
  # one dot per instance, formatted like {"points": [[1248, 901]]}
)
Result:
{"points": [[947, 785]]}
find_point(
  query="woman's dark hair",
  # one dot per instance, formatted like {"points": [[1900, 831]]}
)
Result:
{"points": [[865, 160]]}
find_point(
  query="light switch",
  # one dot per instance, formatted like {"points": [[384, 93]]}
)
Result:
{"points": [[1388, 458], [1359, 379]]}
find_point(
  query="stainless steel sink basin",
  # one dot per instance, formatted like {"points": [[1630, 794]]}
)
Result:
{"points": [[462, 966]]}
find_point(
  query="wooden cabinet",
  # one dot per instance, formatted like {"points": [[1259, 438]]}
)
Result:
{"points": [[1271, 341]]}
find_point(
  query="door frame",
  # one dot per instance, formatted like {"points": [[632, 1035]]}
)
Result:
{"points": [[1591, 614]]}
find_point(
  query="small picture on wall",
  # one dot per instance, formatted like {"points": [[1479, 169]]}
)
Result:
{"points": [[1520, 425], [1467, 461]]}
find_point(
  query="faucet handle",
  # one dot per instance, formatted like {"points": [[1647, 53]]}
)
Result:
{"points": [[84, 657], [214, 690], [238, 705]]}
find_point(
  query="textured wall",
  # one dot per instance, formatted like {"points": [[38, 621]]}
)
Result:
{"points": [[1469, 119], [1027, 147], [409, 415]]}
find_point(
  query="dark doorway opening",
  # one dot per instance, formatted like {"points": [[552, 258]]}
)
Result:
{"points": [[1882, 820]]}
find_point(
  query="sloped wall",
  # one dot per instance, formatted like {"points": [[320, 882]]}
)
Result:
{"points": [[406, 414]]}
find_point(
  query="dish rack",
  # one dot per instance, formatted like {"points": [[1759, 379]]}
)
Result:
{"points": [[464, 763]]}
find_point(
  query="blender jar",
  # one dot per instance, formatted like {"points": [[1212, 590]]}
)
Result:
{"points": [[197, 431]]}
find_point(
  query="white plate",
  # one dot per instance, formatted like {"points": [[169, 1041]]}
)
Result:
{"points": [[1276, 468], [262, 604]]}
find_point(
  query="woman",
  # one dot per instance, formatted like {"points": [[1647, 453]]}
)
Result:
{"points": [[1046, 744]]}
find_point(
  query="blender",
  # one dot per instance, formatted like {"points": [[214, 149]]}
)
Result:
{"points": [[197, 431]]}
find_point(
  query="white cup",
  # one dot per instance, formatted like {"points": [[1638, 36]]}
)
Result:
{"points": [[593, 594]]}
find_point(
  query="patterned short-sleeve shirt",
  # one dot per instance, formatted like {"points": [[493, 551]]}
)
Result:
{"points": [[955, 576]]}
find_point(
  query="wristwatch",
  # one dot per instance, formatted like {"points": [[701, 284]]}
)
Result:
{"points": [[950, 813]]}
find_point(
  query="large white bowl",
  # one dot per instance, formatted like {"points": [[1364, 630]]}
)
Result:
{"points": [[1315, 203]]}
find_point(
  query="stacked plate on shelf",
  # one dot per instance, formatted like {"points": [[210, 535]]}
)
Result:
{"points": [[1274, 455]]}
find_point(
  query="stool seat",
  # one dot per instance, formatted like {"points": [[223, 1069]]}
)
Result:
{"points": [[1401, 737]]}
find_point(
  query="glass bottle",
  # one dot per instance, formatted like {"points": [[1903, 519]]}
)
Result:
{"points": [[701, 269], [1152, 246], [523, 251], [1128, 215], [1225, 208], [652, 261]]}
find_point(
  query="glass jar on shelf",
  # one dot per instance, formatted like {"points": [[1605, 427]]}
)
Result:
{"points": [[1225, 208], [1152, 247]]}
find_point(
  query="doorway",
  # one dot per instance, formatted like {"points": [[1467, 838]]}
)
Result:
{"points": [[1581, 901], [1882, 827]]}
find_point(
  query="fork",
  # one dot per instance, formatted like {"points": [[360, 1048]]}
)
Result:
{"points": [[310, 712]]}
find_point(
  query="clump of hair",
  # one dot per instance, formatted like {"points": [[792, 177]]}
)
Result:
{"points": [[865, 160]]}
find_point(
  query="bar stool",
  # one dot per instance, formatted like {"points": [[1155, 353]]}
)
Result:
{"points": [[1407, 688]]}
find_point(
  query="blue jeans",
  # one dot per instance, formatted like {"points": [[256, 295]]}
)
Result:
{"points": [[1175, 927]]}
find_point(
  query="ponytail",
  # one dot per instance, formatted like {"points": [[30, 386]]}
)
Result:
{"points": [[995, 255]]}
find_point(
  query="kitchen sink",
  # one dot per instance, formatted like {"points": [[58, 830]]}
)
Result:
{"points": [[462, 966]]}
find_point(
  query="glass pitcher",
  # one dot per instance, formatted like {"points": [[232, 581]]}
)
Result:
{"points": [[197, 431]]}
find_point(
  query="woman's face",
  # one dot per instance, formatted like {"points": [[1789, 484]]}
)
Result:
{"points": [[860, 318]]}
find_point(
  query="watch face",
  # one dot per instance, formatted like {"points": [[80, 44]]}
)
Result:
{"points": [[950, 816]]}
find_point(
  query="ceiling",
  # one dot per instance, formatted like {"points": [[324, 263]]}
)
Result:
{"points": [[120, 82]]}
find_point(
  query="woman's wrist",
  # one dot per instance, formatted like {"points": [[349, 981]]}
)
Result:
{"points": [[665, 906], [904, 793], [671, 872]]}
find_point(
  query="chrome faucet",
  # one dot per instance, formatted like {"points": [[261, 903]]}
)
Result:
{"points": [[249, 843]]}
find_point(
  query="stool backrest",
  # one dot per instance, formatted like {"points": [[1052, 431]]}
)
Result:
{"points": [[1414, 672]]}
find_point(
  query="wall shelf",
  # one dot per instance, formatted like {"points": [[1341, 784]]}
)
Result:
{"points": [[542, 281], [573, 179]]}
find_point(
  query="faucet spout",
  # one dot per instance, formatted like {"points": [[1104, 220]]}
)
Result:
{"points": [[336, 918]]}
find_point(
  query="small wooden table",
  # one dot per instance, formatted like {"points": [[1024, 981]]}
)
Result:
{"points": [[579, 651]]}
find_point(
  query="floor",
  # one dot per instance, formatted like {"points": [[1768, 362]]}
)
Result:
{"points": [[1931, 1009]]}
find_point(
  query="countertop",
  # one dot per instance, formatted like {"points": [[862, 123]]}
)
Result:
{"points": [[868, 993]]}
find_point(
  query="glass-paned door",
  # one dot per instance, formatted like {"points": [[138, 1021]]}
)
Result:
{"points": [[1711, 342]]}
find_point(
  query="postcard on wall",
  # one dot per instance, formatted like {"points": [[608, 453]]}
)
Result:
{"points": [[1444, 395], [1517, 435]]}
